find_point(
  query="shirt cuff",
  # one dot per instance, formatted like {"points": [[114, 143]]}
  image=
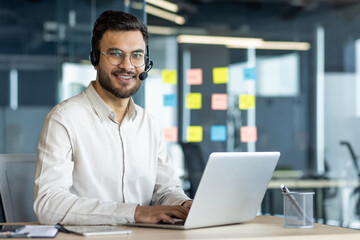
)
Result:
{"points": [[125, 211]]}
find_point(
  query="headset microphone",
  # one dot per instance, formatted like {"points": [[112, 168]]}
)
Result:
{"points": [[148, 65], [144, 74]]}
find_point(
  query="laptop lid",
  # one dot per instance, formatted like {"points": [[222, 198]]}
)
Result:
{"points": [[231, 189]]}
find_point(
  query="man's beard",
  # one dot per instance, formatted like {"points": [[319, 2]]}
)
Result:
{"points": [[124, 92]]}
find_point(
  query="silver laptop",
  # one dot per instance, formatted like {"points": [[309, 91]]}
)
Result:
{"points": [[231, 190]]}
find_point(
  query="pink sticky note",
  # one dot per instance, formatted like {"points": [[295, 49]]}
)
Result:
{"points": [[171, 134], [194, 76], [219, 101], [248, 134]]}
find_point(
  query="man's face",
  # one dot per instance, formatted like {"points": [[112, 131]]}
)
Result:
{"points": [[122, 81]]}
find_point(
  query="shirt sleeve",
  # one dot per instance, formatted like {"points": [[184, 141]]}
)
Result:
{"points": [[168, 190], [53, 201]]}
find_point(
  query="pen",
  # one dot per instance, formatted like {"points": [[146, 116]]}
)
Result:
{"points": [[294, 202], [61, 228]]}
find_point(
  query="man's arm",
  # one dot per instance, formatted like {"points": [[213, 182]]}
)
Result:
{"points": [[53, 201], [168, 190]]}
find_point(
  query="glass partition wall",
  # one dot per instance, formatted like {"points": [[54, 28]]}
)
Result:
{"points": [[44, 59]]}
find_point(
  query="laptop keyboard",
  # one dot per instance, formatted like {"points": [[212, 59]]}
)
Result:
{"points": [[179, 222]]}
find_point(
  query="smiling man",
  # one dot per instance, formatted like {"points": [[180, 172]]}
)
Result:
{"points": [[101, 158]]}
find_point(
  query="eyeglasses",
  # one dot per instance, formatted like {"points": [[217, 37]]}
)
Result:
{"points": [[116, 57]]}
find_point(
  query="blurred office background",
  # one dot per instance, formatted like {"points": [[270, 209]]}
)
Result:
{"points": [[305, 54]]}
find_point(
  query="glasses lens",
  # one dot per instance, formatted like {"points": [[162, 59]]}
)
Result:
{"points": [[137, 59], [116, 57]]}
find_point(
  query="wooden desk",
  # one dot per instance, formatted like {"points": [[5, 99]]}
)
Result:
{"points": [[263, 226]]}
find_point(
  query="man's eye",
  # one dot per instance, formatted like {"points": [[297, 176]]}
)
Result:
{"points": [[138, 55], [115, 54]]}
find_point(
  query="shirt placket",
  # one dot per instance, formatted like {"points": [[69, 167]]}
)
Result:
{"points": [[123, 162]]}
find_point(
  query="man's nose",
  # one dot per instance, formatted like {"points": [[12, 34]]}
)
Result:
{"points": [[126, 64]]}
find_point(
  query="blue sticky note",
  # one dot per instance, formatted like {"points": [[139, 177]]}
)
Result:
{"points": [[170, 100], [218, 133], [249, 73]]}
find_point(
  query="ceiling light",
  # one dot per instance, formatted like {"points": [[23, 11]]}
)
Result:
{"points": [[164, 4], [162, 30], [278, 45], [165, 15], [237, 41]]}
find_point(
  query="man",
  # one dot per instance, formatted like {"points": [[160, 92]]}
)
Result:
{"points": [[101, 158]]}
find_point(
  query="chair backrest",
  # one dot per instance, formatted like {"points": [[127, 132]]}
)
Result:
{"points": [[17, 186], [194, 164]]}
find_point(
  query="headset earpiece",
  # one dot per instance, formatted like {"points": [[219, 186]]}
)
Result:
{"points": [[94, 54]]}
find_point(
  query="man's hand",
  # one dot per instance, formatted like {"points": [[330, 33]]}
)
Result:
{"points": [[155, 214], [187, 204]]}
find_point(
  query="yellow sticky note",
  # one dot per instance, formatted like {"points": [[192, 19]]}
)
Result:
{"points": [[248, 134], [193, 101], [171, 134], [220, 75], [246, 101], [194, 133], [169, 76]]}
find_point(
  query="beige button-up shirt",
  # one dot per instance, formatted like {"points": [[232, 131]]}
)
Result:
{"points": [[92, 170]]}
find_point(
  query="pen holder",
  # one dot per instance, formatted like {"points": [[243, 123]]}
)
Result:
{"points": [[298, 209]]}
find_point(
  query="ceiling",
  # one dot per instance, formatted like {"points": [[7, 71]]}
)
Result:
{"points": [[272, 19]]}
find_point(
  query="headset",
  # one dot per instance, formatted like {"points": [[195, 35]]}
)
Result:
{"points": [[95, 56]]}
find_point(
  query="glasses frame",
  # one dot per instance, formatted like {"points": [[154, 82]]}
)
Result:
{"points": [[126, 54]]}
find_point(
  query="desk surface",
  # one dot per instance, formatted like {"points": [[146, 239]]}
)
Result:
{"points": [[263, 226]]}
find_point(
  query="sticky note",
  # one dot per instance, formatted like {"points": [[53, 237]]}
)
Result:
{"points": [[169, 76], [195, 134], [219, 101], [249, 73], [218, 133], [171, 134], [220, 75], [248, 134], [193, 101], [194, 76], [246, 101], [170, 100]]}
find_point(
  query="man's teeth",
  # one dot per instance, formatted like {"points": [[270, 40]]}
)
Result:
{"points": [[124, 77]]}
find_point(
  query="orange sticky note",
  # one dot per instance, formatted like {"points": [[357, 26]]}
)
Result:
{"points": [[248, 134], [220, 75], [169, 76], [171, 134], [195, 134], [219, 101], [246, 101], [193, 101], [194, 76]]}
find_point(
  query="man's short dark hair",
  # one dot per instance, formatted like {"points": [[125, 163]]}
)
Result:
{"points": [[114, 21]]}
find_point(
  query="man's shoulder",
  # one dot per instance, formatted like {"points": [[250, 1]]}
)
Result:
{"points": [[145, 115], [74, 105]]}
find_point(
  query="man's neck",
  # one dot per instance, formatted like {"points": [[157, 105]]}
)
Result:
{"points": [[118, 105]]}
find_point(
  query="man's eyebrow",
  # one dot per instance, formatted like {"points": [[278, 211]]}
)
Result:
{"points": [[114, 49], [139, 50], [117, 49]]}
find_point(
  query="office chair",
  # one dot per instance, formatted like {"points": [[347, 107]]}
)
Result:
{"points": [[17, 187], [354, 158], [194, 164]]}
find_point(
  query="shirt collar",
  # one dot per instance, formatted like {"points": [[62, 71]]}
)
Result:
{"points": [[102, 109]]}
